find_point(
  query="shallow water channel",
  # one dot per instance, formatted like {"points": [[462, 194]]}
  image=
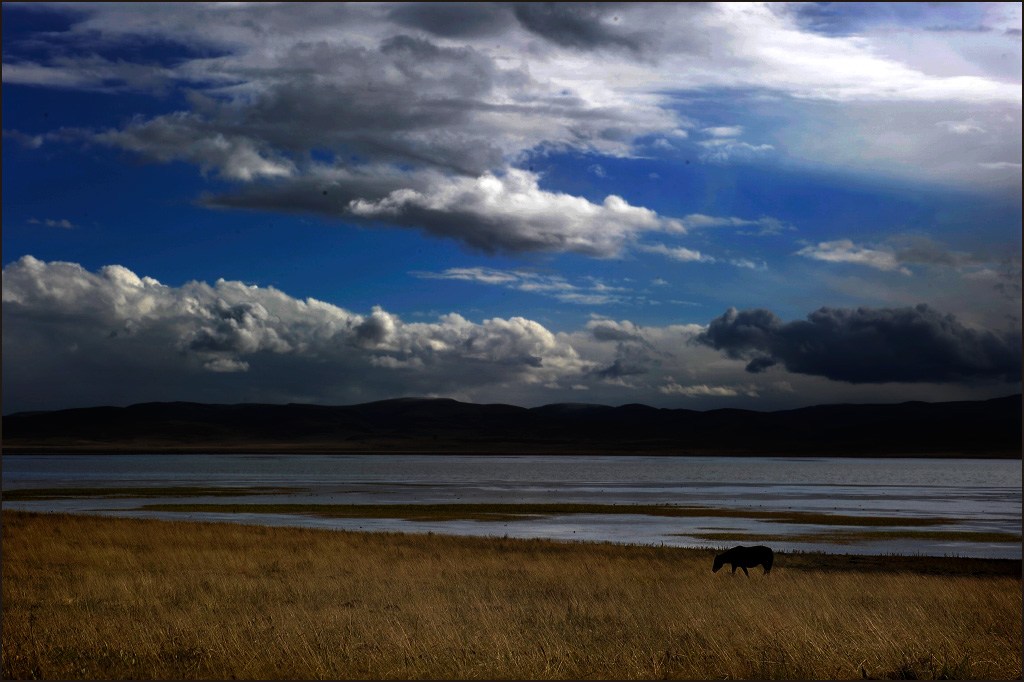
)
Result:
{"points": [[978, 501]]}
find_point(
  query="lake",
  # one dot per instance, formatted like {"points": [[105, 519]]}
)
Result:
{"points": [[976, 496]]}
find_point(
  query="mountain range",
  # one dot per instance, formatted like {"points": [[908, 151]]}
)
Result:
{"points": [[989, 428]]}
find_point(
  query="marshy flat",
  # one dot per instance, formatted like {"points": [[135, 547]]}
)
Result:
{"points": [[936, 507]]}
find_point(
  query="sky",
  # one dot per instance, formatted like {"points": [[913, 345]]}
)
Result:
{"points": [[759, 206]]}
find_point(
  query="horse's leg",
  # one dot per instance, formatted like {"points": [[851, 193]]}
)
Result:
{"points": [[745, 570], [734, 569]]}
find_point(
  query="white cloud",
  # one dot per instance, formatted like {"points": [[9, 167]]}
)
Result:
{"points": [[702, 390], [724, 131], [765, 225], [409, 93], [512, 213], [725, 149], [229, 326], [778, 54], [845, 251], [725, 45], [91, 72], [179, 137], [1001, 165], [604, 329], [593, 292], [478, 274], [678, 253], [748, 264], [62, 223], [967, 127], [114, 337], [942, 274]]}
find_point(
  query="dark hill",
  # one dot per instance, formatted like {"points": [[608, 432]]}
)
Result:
{"points": [[990, 428]]}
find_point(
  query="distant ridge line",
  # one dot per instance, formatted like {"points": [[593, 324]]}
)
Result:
{"points": [[986, 428]]}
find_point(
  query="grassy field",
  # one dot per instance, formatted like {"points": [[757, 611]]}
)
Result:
{"points": [[90, 597]]}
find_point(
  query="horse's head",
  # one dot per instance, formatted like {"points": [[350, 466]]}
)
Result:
{"points": [[718, 564]]}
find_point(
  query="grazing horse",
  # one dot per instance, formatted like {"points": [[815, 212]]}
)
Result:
{"points": [[745, 557]]}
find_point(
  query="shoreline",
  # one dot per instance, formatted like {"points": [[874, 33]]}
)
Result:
{"points": [[648, 524], [526, 449], [947, 565]]}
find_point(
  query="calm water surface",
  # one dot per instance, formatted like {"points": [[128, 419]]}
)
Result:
{"points": [[982, 495]]}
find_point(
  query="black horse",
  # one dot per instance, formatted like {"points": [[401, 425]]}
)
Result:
{"points": [[745, 557]]}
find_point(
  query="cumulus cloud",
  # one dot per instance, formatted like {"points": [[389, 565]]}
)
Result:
{"points": [[609, 330], [865, 345], [620, 369], [113, 337], [100, 327]]}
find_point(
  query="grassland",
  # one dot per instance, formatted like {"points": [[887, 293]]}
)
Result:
{"points": [[91, 597]]}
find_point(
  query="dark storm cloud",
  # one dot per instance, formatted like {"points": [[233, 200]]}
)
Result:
{"points": [[579, 25], [408, 101], [868, 345], [621, 368], [405, 100], [454, 19]]}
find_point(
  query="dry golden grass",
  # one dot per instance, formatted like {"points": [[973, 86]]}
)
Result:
{"points": [[88, 597]]}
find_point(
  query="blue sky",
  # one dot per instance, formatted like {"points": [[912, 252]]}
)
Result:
{"points": [[759, 206]]}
